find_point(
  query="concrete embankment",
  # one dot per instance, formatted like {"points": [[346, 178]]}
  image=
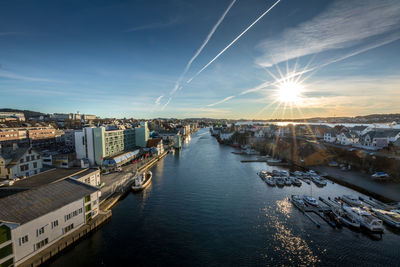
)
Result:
{"points": [[67, 240]]}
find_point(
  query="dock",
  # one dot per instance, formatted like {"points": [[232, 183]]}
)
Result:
{"points": [[307, 209]]}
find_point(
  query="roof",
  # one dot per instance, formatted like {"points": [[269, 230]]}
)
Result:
{"points": [[153, 142], [31, 204], [47, 177], [359, 128], [122, 157]]}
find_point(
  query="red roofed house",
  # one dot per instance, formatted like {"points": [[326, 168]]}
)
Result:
{"points": [[156, 143]]}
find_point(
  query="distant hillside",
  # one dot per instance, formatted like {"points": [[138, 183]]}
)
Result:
{"points": [[27, 113]]}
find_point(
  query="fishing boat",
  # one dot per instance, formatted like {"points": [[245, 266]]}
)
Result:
{"points": [[389, 217], [270, 181], [366, 219], [142, 181], [310, 201], [352, 200]]}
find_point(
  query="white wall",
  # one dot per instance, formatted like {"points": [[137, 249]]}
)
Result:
{"points": [[26, 250]]}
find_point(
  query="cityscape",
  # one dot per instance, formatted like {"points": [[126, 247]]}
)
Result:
{"points": [[200, 133]]}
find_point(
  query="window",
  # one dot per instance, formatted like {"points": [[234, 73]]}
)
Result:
{"points": [[87, 198], [6, 251], [88, 208], [54, 224], [38, 157], [80, 210], [5, 234], [42, 243], [40, 231], [35, 165], [21, 160], [68, 228], [32, 157], [27, 158], [23, 240]]}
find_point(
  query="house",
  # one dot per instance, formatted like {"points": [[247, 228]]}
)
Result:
{"points": [[36, 218], [345, 138], [23, 161], [375, 140], [360, 130], [156, 143], [330, 136]]}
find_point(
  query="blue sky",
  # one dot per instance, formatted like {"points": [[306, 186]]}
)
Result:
{"points": [[128, 58]]}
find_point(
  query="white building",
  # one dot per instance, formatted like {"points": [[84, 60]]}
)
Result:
{"points": [[330, 136], [36, 218], [23, 161], [84, 145]]}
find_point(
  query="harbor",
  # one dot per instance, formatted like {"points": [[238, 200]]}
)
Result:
{"points": [[203, 199]]}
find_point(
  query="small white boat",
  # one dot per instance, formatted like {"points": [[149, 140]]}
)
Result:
{"points": [[142, 181], [366, 219], [352, 200], [311, 201], [389, 217]]}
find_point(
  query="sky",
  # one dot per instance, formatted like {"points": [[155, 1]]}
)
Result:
{"points": [[200, 58]]}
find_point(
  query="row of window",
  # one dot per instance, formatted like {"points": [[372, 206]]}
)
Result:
{"points": [[25, 167], [41, 244], [68, 228], [73, 214], [28, 158]]}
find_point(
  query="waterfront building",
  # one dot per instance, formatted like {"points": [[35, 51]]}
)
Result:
{"points": [[55, 210], [98, 143], [157, 144], [142, 134], [21, 162]]}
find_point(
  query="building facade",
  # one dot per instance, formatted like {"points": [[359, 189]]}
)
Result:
{"points": [[22, 162], [55, 209]]}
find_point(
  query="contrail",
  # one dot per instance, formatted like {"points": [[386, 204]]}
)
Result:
{"points": [[221, 101], [234, 41], [176, 88]]}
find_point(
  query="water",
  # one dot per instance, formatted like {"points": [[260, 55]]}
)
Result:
{"points": [[205, 207]]}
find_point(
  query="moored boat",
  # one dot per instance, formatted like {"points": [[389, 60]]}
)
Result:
{"points": [[389, 217], [310, 201], [270, 181], [351, 200], [280, 181], [366, 219], [142, 181]]}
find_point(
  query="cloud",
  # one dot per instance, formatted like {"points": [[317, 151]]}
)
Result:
{"points": [[155, 25], [344, 24], [221, 101], [177, 86], [14, 76], [158, 100], [234, 41]]}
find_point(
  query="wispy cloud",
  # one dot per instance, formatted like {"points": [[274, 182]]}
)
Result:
{"points": [[155, 25], [221, 101], [210, 34], [14, 76], [234, 41], [158, 100], [344, 24]]}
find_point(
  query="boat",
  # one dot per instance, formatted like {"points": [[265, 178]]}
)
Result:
{"points": [[366, 219], [280, 181], [337, 210], [298, 202], [373, 203], [142, 181], [318, 180], [288, 181], [295, 181], [389, 217], [311, 201], [270, 181], [262, 174], [351, 200]]}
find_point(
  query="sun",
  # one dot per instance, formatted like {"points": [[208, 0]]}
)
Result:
{"points": [[289, 92]]}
